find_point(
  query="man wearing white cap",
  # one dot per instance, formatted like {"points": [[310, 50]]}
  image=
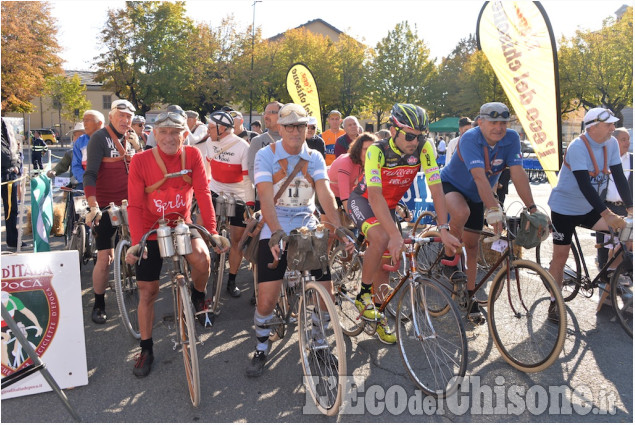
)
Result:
{"points": [[106, 181], [314, 141], [482, 154], [289, 210], [576, 201], [65, 163]]}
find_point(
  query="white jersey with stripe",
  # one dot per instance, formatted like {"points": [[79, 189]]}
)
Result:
{"points": [[228, 163]]}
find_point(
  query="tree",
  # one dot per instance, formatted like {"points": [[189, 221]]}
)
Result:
{"points": [[480, 84], [350, 68], [29, 53], [596, 67], [400, 70], [67, 96]]}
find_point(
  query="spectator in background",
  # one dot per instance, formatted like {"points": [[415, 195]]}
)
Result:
{"points": [[37, 150], [313, 140], [256, 127], [197, 137], [383, 134], [11, 165], [138, 125], [331, 135], [239, 128], [352, 130], [464, 125], [441, 146]]}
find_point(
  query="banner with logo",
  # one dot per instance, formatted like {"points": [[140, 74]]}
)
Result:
{"points": [[42, 292], [41, 212], [517, 39], [303, 90]]}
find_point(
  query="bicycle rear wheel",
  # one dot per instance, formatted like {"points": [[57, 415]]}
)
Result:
{"points": [[433, 347], [346, 275], [187, 334], [518, 309], [622, 295], [126, 290], [322, 349], [77, 242], [572, 277], [218, 280]]}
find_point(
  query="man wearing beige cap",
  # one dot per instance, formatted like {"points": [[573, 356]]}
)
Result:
{"points": [[331, 135], [576, 201], [482, 154], [198, 137], [106, 181]]}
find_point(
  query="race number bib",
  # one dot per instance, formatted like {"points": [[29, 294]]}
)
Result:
{"points": [[298, 194]]}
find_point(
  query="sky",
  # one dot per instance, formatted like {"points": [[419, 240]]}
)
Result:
{"points": [[440, 23]]}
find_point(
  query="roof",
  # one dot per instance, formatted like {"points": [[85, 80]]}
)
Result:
{"points": [[87, 78], [314, 21], [445, 125]]}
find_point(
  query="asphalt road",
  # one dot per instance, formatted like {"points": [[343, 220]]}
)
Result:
{"points": [[595, 372]]}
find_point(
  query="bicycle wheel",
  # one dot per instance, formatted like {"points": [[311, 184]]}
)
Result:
{"points": [[622, 295], [427, 220], [433, 348], [126, 290], [77, 242], [346, 275], [218, 280], [279, 328], [517, 313], [322, 349], [572, 277], [187, 333]]}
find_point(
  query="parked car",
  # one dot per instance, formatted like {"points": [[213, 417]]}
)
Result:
{"points": [[46, 134]]}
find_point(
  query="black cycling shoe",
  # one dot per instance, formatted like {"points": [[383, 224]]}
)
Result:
{"points": [[232, 290], [204, 316], [552, 314], [99, 315], [257, 365], [475, 316], [144, 364]]}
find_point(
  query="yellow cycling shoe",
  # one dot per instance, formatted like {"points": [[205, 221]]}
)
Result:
{"points": [[367, 307], [384, 334]]}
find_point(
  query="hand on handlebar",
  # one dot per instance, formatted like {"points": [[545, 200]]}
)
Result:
{"points": [[614, 221], [132, 254], [276, 244], [395, 246], [451, 244], [221, 243], [93, 215], [347, 238]]}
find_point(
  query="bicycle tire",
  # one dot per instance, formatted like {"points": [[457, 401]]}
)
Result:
{"points": [[436, 359], [322, 349], [518, 316], [280, 314], [419, 225], [218, 279], [187, 333], [69, 221], [76, 242], [622, 295], [126, 290], [346, 275], [572, 275]]}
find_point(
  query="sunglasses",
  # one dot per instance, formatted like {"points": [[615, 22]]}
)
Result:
{"points": [[272, 112], [123, 105], [172, 116], [496, 114], [291, 127], [604, 115], [410, 137]]}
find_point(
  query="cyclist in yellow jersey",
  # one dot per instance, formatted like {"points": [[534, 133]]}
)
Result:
{"points": [[390, 168]]}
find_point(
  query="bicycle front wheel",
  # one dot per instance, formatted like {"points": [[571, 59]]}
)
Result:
{"points": [[572, 276], [77, 242], [322, 349], [126, 290], [187, 334], [346, 275], [433, 347], [521, 318], [622, 295], [218, 281]]}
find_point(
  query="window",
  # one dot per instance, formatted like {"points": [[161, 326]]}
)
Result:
{"points": [[106, 101]]}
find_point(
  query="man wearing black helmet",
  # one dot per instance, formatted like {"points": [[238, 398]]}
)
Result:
{"points": [[390, 168]]}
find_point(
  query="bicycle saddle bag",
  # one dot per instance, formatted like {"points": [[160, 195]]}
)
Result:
{"points": [[308, 249], [533, 229]]}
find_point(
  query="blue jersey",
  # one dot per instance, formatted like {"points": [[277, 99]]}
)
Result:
{"points": [[470, 154], [296, 206], [566, 198]]}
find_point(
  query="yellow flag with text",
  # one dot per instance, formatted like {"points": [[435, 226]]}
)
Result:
{"points": [[517, 39], [303, 90]]}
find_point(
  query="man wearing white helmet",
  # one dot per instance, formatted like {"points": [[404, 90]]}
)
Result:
{"points": [[151, 196]]}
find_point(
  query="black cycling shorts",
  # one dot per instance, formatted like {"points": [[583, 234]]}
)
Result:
{"points": [[362, 214], [265, 274], [476, 220], [104, 232], [238, 219], [564, 225]]}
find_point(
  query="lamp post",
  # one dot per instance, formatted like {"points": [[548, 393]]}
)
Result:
{"points": [[253, 40]]}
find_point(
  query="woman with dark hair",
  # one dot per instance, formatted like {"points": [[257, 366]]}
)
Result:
{"points": [[346, 170]]}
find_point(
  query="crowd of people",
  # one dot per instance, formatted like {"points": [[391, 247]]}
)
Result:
{"points": [[344, 168]]}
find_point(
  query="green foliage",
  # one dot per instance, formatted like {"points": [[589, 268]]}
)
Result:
{"points": [[67, 96], [29, 53]]}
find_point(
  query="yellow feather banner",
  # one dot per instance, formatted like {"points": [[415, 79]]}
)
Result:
{"points": [[303, 90]]}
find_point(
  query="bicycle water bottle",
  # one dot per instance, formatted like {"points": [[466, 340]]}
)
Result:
{"points": [[115, 215], [230, 206], [164, 238], [220, 205], [182, 238], [626, 234], [124, 212]]}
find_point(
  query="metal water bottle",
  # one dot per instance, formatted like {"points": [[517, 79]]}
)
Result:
{"points": [[115, 215], [220, 207], [230, 207], [626, 234], [164, 239], [182, 238], [124, 212]]}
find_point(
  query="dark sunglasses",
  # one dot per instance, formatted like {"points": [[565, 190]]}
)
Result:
{"points": [[410, 137], [291, 127], [496, 114]]}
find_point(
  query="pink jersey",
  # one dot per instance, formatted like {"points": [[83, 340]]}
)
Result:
{"points": [[344, 176]]}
